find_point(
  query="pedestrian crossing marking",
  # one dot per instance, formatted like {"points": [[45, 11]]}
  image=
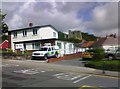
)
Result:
{"points": [[71, 77], [27, 71]]}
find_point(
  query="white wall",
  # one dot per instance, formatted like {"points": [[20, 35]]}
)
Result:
{"points": [[65, 47], [47, 33], [111, 47], [43, 33]]}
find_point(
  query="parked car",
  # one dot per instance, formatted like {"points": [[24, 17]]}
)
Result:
{"points": [[113, 54], [46, 52], [88, 54]]}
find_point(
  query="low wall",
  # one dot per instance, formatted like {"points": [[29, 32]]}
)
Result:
{"points": [[66, 57], [16, 56], [28, 57]]}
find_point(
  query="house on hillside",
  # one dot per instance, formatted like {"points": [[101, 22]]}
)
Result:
{"points": [[75, 34], [32, 38], [109, 42]]}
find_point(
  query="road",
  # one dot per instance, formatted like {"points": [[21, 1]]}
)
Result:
{"points": [[36, 74]]}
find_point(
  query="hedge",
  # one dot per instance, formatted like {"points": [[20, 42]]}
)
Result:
{"points": [[111, 65]]}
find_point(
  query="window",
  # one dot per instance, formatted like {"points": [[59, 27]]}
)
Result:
{"points": [[24, 46], [34, 31], [59, 45], [36, 45], [15, 34], [24, 33], [43, 49], [49, 49], [54, 34]]}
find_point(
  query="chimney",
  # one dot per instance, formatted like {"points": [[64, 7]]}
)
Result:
{"points": [[115, 35], [69, 32], [30, 24], [98, 38]]}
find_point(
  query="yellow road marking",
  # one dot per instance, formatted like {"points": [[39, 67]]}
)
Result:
{"points": [[89, 87], [105, 76]]}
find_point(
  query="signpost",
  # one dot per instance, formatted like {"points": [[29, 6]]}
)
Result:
{"points": [[103, 66]]}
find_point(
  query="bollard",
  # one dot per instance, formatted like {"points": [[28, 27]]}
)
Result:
{"points": [[103, 66]]}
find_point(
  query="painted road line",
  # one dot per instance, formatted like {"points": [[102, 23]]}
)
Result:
{"points": [[89, 87], [67, 76], [81, 79], [17, 65], [27, 71], [58, 74], [64, 77], [43, 71], [76, 77]]}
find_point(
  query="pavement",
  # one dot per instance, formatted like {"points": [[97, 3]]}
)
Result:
{"points": [[69, 68], [77, 63]]}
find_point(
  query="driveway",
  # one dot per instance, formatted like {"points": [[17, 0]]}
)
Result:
{"points": [[73, 62]]}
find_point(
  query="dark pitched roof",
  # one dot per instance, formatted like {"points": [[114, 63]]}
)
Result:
{"points": [[111, 41], [33, 27], [99, 42], [106, 41]]}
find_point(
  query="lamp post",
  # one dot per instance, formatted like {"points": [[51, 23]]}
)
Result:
{"points": [[103, 66]]}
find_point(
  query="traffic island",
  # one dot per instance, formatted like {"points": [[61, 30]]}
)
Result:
{"points": [[66, 57]]}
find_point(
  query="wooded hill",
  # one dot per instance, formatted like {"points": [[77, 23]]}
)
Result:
{"points": [[85, 36]]}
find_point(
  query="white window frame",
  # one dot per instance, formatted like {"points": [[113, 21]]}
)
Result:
{"points": [[15, 34], [24, 33], [35, 31], [54, 34]]}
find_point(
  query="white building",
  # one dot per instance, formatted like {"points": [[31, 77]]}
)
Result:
{"points": [[33, 38], [108, 43]]}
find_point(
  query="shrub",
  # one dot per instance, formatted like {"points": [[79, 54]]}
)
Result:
{"points": [[99, 53], [112, 65], [9, 51]]}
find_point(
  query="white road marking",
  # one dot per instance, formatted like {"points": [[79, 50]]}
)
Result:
{"points": [[81, 79], [76, 77], [27, 71], [58, 74], [43, 71], [67, 76], [16, 65], [8, 65]]}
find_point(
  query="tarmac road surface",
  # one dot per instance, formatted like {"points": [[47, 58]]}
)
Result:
{"points": [[36, 74]]}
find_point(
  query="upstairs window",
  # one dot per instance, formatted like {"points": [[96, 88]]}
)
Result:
{"points": [[15, 34], [54, 34], [34, 31], [24, 33]]}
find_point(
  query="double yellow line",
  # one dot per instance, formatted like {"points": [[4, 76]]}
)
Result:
{"points": [[89, 87]]}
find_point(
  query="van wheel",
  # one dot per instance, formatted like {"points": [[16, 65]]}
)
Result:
{"points": [[56, 55], [45, 57]]}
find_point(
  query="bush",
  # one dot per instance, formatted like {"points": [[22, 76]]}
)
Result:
{"points": [[99, 53], [9, 51], [112, 65]]}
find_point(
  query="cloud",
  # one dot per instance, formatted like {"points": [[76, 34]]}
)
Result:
{"points": [[104, 19], [63, 16], [41, 13]]}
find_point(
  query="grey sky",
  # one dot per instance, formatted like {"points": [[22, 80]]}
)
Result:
{"points": [[97, 18]]}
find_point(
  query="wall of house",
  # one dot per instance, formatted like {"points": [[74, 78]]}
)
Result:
{"points": [[42, 33], [66, 47], [110, 47]]}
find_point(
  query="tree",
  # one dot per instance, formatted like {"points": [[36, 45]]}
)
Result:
{"points": [[3, 25]]}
